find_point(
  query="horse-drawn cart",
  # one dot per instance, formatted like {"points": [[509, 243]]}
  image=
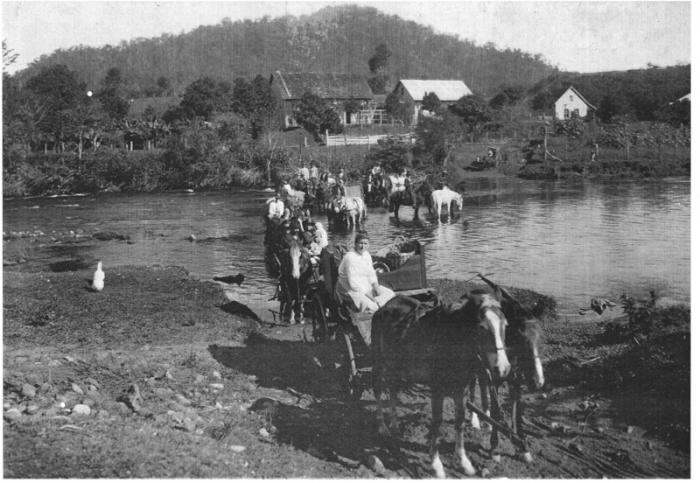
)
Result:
{"points": [[401, 268]]}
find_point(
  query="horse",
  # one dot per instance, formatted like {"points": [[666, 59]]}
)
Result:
{"points": [[523, 346], [442, 347], [414, 195], [523, 342], [353, 208], [445, 196], [295, 271], [294, 199]]}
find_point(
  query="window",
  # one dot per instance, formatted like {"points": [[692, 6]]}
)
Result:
{"points": [[566, 113], [577, 113], [571, 98]]}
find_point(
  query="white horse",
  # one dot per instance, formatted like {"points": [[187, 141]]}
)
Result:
{"points": [[445, 196], [354, 209], [293, 198]]}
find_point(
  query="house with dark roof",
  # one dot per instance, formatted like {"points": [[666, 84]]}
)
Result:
{"points": [[335, 89], [412, 91], [571, 103]]}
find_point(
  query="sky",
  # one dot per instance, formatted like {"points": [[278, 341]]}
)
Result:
{"points": [[589, 36]]}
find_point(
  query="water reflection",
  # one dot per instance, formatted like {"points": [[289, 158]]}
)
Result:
{"points": [[573, 240]]}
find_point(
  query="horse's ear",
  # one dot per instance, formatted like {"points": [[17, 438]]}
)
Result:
{"points": [[498, 293]]}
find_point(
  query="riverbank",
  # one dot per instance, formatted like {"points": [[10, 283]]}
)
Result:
{"points": [[161, 376]]}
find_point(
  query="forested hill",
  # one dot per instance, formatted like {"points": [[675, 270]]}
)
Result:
{"points": [[335, 39]]}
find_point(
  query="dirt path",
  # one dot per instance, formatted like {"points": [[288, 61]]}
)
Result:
{"points": [[155, 378]]}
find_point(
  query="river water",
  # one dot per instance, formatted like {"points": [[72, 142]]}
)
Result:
{"points": [[572, 240]]}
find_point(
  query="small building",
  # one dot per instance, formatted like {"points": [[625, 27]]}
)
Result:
{"points": [[571, 103], [335, 89], [412, 91]]}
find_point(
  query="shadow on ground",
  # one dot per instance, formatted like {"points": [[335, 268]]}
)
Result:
{"points": [[321, 422]]}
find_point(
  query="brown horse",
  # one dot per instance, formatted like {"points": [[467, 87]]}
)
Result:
{"points": [[442, 347], [523, 342], [415, 195], [524, 352]]}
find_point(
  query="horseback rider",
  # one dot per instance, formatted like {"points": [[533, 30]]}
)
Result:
{"points": [[313, 176], [400, 183], [375, 175]]}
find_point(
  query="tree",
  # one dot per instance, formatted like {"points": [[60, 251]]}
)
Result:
{"points": [[396, 108], [437, 136], [164, 86], [392, 154], [431, 102], [256, 102], [378, 83], [60, 93], [204, 96], [113, 79], [379, 61], [472, 111], [607, 109], [315, 116], [110, 96], [377, 66], [506, 96]]}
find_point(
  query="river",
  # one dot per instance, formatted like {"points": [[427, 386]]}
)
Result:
{"points": [[573, 240]]}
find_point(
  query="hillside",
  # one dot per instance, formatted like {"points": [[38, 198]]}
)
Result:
{"points": [[334, 39]]}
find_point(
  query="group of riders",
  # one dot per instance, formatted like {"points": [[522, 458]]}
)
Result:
{"points": [[296, 244]]}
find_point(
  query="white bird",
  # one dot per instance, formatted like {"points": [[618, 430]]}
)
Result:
{"points": [[98, 280]]}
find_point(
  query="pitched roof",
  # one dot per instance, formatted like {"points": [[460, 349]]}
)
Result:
{"points": [[578, 94], [445, 90], [159, 104], [327, 86]]}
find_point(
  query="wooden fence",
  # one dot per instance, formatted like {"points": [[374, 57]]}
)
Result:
{"points": [[344, 140]]}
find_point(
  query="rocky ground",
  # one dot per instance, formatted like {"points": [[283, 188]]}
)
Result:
{"points": [[160, 376]]}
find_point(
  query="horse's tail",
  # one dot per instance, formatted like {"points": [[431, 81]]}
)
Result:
{"points": [[295, 255]]}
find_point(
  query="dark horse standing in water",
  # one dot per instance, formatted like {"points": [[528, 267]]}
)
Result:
{"points": [[415, 195], [441, 347]]}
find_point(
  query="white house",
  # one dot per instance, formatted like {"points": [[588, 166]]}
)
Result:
{"points": [[412, 91], [572, 102]]}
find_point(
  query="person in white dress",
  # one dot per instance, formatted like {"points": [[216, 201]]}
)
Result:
{"points": [[357, 281]]}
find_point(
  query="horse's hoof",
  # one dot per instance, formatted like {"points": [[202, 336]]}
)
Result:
{"points": [[527, 457]]}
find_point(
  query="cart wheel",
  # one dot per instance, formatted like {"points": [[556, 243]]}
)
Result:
{"points": [[318, 319], [351, 383], [380, 267]]}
